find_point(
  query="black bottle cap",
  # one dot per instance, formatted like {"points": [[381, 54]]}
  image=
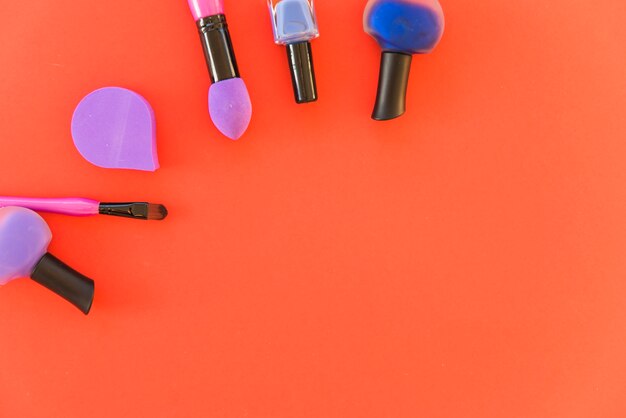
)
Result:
{"points": [[300, 58], [392, 84], [65, 282]]}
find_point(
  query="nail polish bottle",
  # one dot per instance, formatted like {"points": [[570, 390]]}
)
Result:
{"points": [[295, 25], [402, 28]]}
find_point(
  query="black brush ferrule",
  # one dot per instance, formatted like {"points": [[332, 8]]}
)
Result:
{"points": [[135, 210], [218, 48], [66, 282]]}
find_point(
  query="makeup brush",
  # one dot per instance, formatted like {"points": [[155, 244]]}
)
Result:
{"points": [[24, 241], [85, 207], [229, 101]]}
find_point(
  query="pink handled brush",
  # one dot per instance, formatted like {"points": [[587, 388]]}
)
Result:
{"points": [[229, 101], [86, 207]]}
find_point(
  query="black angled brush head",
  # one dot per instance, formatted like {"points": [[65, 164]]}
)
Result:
{"points": [[137, 210], [156, 212]]}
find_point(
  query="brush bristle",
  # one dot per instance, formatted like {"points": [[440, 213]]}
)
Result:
{"points": [[156, 212]]}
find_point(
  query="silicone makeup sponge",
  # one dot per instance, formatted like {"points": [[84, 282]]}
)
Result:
{"points": [[24, 240], [229, 102], [115, 128], [230, 107], [401, 28]]}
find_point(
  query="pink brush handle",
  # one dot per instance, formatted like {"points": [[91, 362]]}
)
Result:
{"points": [[204, 8], [64, 206]]}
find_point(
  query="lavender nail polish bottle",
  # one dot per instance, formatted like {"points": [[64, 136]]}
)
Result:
{"points": [[295, 25], [24, 240]]}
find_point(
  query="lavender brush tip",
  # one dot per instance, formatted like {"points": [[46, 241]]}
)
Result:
{"points": [[230, 107]]}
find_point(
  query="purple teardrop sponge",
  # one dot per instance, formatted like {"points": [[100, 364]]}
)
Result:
{"points": [[115, 128], [230, 107]]}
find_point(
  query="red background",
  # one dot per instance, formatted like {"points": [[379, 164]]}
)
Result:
{"points": [[466, 260]]}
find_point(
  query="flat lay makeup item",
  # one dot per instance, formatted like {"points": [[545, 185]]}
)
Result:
{"points": [[24, 240], [86, 207], [401, 28], [229, 102], [115, 127], [295, 25]]}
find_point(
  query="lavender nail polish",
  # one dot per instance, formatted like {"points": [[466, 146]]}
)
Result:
{"points": [[24, 240], [295, 25]]}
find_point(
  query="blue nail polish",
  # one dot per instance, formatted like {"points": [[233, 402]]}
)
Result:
{"points": [[401, 28]]}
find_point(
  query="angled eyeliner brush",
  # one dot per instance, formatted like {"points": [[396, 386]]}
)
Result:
{"points": [[87, 207]]}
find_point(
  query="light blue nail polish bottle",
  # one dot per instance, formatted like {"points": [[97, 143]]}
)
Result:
{"points": [[295, 25]]}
